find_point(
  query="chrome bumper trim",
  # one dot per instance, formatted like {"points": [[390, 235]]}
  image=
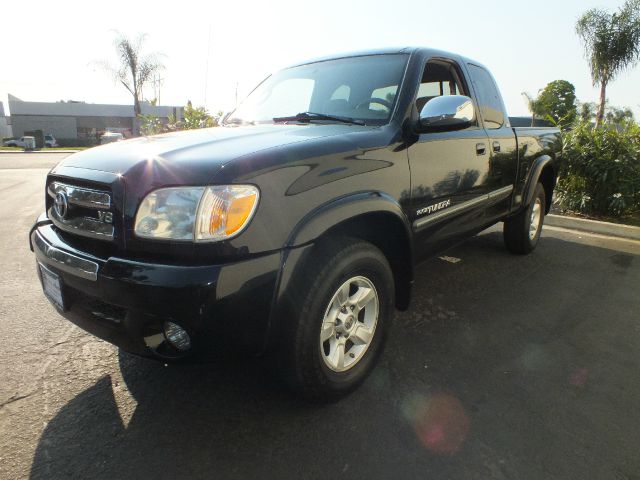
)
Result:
{"points": [[501, 193], [64, 261]]}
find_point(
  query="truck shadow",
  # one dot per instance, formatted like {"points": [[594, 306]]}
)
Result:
{"points": [[466, 382]]}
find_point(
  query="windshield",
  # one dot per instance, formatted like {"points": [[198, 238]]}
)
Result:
{"points": [[360, 88]]}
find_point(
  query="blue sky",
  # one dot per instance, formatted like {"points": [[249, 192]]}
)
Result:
{"points": [[525, 44]]}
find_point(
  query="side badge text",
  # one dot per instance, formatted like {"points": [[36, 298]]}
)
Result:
{"points": [[434, 208]]}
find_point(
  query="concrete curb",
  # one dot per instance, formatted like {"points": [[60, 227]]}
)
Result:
{"points": [[39, 151], [593, 226]]}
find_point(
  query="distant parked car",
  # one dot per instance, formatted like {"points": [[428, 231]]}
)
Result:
{"points": [[109, 137], [49, 141], [15, 142]]}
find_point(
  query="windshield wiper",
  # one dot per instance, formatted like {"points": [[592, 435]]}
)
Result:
{"points": [[306, 117]]}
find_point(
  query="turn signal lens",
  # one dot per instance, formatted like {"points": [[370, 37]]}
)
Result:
{"points": [[224, 211], [239, 212]]}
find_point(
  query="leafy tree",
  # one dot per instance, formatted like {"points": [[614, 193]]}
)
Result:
{"points": [[587, 111], [611, 43], [557, 103], [619, 116], [135, 69], [613, 115]]}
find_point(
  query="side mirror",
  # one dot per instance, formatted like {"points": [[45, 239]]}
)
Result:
{"points": [[449, 112]]}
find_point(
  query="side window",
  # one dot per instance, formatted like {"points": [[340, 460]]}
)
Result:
{"points": [[438, 79], [491, 106]]}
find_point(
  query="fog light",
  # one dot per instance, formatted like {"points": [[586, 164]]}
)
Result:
{"points": [[177, 336]]}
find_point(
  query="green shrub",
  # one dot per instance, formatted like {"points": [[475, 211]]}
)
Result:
{"points": [[194, 117], [601, 170], [151, 125], [77, 142]]}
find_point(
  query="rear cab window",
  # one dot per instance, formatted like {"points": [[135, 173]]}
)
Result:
{"points": [[489, 99]]}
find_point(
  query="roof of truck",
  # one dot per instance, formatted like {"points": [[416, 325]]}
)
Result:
{"points": [[387, 50]]}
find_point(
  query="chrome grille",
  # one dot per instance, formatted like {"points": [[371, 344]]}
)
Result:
{"points": [[82, 211]]}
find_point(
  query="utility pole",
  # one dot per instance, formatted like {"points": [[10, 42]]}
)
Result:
{"points": [[157, 83], [206, 73], [236, 95]]}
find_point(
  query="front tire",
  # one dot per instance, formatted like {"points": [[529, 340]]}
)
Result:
{"points": [[339, 314], [522, 231]]}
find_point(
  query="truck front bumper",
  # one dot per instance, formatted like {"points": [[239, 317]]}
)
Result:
{"points": [[128, 303]]}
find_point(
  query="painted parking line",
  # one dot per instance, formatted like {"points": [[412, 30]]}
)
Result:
{"points": [[582, 233]]}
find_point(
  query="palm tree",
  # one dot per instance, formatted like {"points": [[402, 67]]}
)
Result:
{"points": [[611, 43], [532, 104], [134, 69]]}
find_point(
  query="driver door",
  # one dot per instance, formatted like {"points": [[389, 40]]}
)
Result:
{"points": [[449, 170]]}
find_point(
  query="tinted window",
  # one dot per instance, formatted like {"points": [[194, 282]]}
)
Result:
{"points": [[343, 87], [491, 107], [295, 93], [341, 93], [388, 94]]}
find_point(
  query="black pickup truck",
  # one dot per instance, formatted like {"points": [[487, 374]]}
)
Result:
{"points": [[295, 227]]}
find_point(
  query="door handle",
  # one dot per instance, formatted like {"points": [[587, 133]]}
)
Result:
{"points": [[496, 147], [481, 149]]}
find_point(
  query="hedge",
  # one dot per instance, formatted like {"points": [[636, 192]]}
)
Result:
{"points": [[77, 142], [601, 170]]}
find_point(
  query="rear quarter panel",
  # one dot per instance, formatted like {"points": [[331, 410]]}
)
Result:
{"points": [[534, 144]]}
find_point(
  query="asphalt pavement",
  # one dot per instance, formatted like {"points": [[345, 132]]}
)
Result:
{"points": [[505, 367]]}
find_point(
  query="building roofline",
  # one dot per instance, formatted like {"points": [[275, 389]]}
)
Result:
{"points": [[79, 109]]}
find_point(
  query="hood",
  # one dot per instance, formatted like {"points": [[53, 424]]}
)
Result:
{"points": [[194, 156]]}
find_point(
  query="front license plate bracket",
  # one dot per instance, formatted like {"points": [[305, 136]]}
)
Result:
{"points": [[52, 287]]}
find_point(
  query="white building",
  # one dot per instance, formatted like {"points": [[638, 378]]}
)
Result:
{"points": [[77, 120], [5, 126]]}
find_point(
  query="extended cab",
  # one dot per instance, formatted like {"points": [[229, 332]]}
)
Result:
{"points": [[295, 227]]}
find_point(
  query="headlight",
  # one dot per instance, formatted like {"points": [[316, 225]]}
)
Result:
{"points": [[196, 213]]}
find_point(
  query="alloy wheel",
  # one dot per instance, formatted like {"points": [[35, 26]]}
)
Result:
{"points": [[349, 324]]}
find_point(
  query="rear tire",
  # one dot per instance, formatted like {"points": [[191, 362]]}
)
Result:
{"points": [[338, 318], [522, 231]]}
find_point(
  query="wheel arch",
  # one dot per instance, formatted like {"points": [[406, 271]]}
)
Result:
{"points": [[542, 171], [370, 216]]}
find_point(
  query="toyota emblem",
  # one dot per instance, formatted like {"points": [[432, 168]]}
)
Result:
{"points": [[61, 204]]}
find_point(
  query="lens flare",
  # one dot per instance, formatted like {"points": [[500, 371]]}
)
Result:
{"points": [[440, 422], [579, 377]]}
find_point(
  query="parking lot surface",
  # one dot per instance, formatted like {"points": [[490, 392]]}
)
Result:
{"points": [[505, 367]]}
